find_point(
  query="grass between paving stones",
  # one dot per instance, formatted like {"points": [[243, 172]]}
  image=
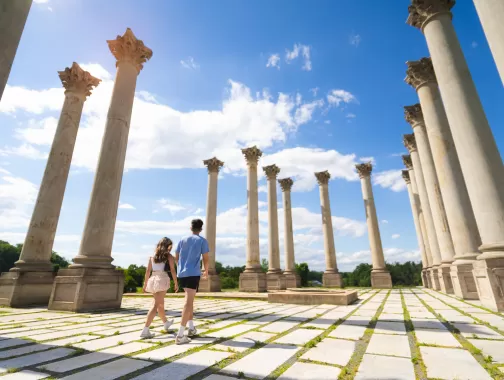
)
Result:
{"points": [[471, 316], [416, 357], [492, 369], [469, 303]]}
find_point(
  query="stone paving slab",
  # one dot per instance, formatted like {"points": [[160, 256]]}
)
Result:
{"points": [[110, 371], [480, 331], [383, 327], [332, 351], [377, 367], [172, 350], [299, 337], [344, 331], [493, 348], [452, 363], [308, 371], [32, 359], [392, 345], [25, 375], [13, 343], [437, 337]]}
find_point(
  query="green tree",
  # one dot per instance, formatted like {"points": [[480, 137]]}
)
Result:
{"points": [[9, 254], [264, 265], [303, 271]]}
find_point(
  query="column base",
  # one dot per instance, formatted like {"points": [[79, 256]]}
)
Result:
{"points": [[253, 282], [445, 281], [21, 289], [489, 277], [86, 289], [292, 280], [464, 285], [275, 281], [433, 274], [332, 280], [212, 284], [381, 280]]}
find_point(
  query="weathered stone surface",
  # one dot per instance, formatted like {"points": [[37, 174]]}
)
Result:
{"points": [[110, 371], [493, 348], [299, 337], [394, 345], [437, 337], [332, 351], [377, 367], [308, 371]]}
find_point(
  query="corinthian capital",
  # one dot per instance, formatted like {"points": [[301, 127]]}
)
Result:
{"points": [[407, 161], [213, 164], [286, 184], [128, 48], [271, 171], [252, 155], [421, 10], [414, 115], [323, 177], [364, 169], [405, 175], [420, 72], [410, 143], [77, 81]]}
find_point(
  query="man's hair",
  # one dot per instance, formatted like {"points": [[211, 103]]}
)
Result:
{"points": [[196, 225]]}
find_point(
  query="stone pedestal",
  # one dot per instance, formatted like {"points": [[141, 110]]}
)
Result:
{"points": [[381, 280], [292, 280], [21, 289], [445, 281], [464, 285], [211, 284], [332, 280], [275, 281], [425, 279], [253, 282], [86, 289], [489, 276], [434, 278]]}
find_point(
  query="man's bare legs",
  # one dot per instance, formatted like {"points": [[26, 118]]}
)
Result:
{"points": [[187, 312]]}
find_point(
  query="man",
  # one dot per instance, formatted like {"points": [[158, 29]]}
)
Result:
{"points": [[188, 256]]}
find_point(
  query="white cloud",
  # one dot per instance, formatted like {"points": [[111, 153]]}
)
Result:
{"points": [[396, 236], [96, 70], [351, 116], [189, 63], [314, 91], [304, 113], [171, 206], [299, 50], [390, 179], [368, 159], [347, 261], [338, 96], [327, 121], [384, 221], [355, 39], [40, 1], [274, 61], [198, 211], [262, 189], [17, 197], [126, 206]]}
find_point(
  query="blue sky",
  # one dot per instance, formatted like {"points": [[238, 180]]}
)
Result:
{"points": [[316, 87]]}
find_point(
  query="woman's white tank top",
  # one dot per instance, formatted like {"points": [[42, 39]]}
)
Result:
{"points": [[157, 266]]}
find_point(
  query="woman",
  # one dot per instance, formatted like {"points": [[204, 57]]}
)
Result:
{"points": [[158, 283]]}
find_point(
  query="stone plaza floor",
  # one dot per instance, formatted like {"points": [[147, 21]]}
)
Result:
{"points": [[397, 334]]}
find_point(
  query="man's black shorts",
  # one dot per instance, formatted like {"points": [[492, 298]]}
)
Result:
{"points": [[191, 282]]}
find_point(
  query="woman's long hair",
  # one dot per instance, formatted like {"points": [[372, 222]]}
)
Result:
{"points": [[163, 249]]}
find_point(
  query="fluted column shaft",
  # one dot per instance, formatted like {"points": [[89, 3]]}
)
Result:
{"points": [[479, 156], [290, 267], [13, 15], [38, 244], [274, 245], [327, 227], [433, 191], [96, 247], [213, 166], [491, 14]]}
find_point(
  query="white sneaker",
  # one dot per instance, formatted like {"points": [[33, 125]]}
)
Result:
{"points": [[182, 339], [168, 324], [192, 332], [146, 335]]}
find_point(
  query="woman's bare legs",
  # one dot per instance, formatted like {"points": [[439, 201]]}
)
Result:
{"points": [[157, 307]]}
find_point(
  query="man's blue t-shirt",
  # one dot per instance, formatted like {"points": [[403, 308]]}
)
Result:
{"points": [[190, 250]]}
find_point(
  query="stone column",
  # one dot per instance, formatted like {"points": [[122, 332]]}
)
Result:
{"points": [[491, 14], [414, 116], [463, 228], [252, 279], [380, 277], [331, 276], [274, 277], [212, 283], [479, 156], [30, 281], [414, 161], [13, 15], [415, 210], [292, 279], [95, 284]]}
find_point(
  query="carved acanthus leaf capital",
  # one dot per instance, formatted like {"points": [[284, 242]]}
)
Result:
{"points": [[420, 72], [407, 161], [410, 142], [128, 48], [252, 155], [414, 115], [213, 164], [364, 170], [406, 176], [421, 10], [323, 177], [271, 171], [77, 81], [286, 184]]}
